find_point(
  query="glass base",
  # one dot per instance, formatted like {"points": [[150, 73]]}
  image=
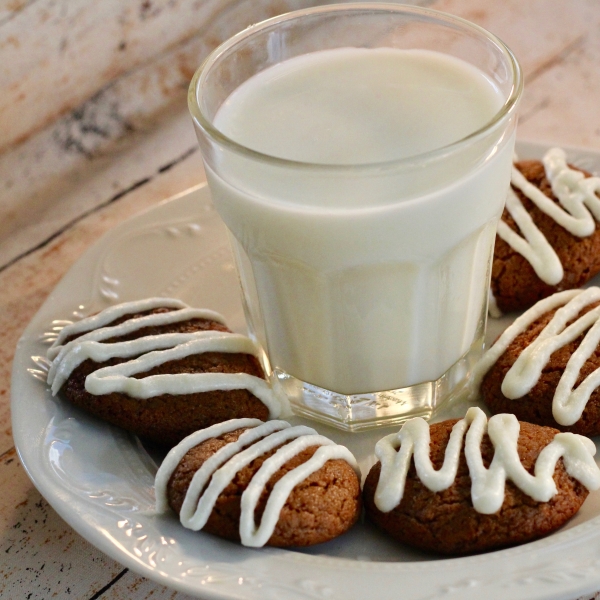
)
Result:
{"points": [[359, 412]]}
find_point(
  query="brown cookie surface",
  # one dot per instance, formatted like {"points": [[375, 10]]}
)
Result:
{"points": [[166, 419], [446, 521], [536, 406], [514, 283], [323, 506]]}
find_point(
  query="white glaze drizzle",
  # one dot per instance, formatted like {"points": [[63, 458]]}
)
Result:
{"points": [[62, 366], [220, 469], [154, 350], [176, 453], [568, 404], [115, 312], [577, 208], [487, 484], [131, 325], [493, 309], [534, 246], [118, 378], [189, 514]]}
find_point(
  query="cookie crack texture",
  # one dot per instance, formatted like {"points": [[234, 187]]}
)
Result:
{"points": [[321, 507], [446, 522]]}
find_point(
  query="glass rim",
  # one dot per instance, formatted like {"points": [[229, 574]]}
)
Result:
{"points": [[216, 135]]}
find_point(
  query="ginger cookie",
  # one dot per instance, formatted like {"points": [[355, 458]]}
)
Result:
{"points": [[261, 484], [160, 369], [548, 238], [466, 486]]}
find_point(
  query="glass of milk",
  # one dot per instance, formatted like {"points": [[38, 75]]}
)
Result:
{"points": [[360, 156]]}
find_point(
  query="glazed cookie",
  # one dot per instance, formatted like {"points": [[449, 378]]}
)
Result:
{"points": [[459, 487], [261, 484], [545, 367], [160, 369], [548, 239]]}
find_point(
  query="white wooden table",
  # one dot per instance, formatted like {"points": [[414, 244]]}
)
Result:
{"points": [[67, 176]]}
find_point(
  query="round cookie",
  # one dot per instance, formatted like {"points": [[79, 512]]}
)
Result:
{"points": [[515, 285], [514, 380], [449, 521], [160, 370], [243, 468]]}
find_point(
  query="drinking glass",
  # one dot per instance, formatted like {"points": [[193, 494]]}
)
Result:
{"points": [[365, 284]]}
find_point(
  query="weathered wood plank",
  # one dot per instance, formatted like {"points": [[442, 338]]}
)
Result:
{"points": [[134, 587], [54, 55], [42, 557], [76, 162], [559, 50], [51, 185], [57, 54]]}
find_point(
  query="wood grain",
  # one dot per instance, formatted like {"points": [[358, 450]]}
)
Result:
{"points": [[98, 101]]}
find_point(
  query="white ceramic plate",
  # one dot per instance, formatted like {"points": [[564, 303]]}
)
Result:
{"points": [[100, 479]]}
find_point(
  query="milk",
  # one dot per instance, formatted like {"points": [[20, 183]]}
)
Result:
{"points": [[371, 273]]}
